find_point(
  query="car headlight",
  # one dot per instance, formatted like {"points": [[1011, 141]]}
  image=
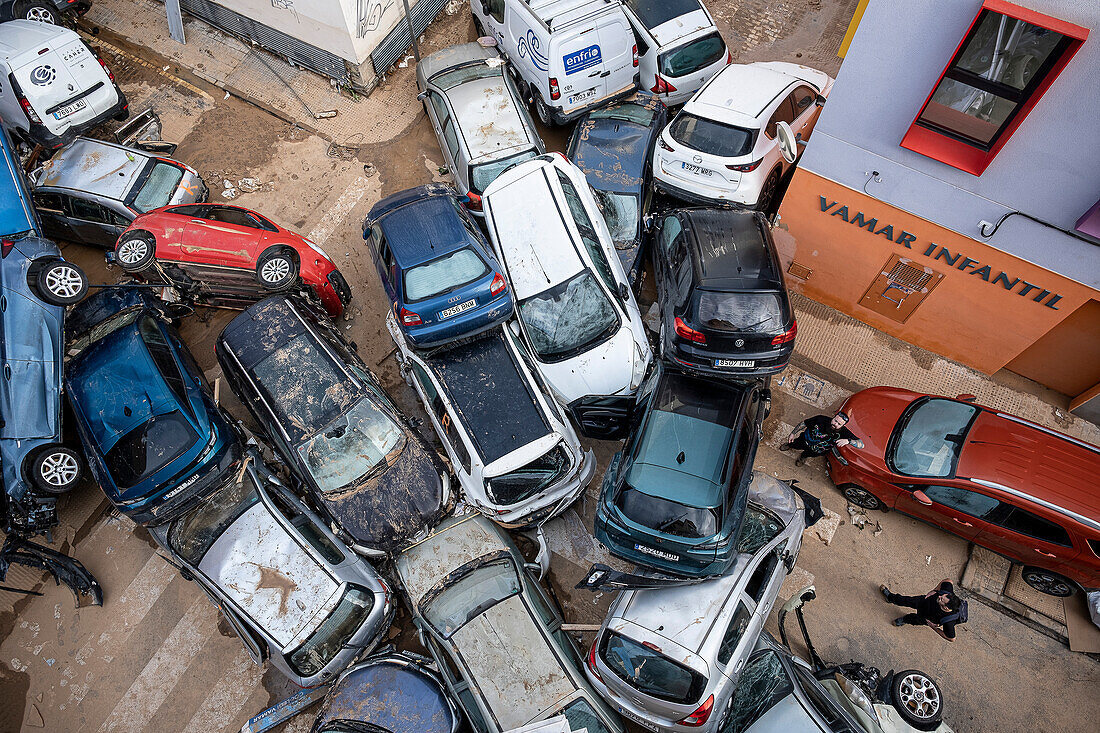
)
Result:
{"points": [[856, 694], [641, 362], [317, 249]]}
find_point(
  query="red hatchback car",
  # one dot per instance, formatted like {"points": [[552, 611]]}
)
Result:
{"points": [[1017, 488], [232, 249]]}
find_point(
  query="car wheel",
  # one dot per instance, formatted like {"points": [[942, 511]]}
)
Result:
{"points": [[917, 699], [861, 497], [61, 283], [38, 11], [136, 251], [277, 269], [55, 469], [767, 193], [1050, 583], [543, 111]]}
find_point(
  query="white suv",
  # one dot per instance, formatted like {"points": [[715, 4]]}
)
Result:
{"points": [[576, 314], [725, 144]]}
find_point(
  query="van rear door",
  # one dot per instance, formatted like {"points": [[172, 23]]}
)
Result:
{"points": [[581, 58], [55, 82]]}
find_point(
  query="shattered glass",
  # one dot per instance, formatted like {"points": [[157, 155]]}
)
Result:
{"points": [[581, 716], [351, 446], [758, 529], [568, 318], [741, 312], [761, 685], [620, 212], [443, 274], [333, 633]]}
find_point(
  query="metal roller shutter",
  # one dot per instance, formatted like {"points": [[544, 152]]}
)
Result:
{"points": [[399, 40]]}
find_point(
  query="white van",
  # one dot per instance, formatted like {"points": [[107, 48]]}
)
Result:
{"points": [[52, 86], [571, 56], [679, 47]]}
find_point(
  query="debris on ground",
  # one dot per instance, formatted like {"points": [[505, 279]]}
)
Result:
{"points": [[859, 519]]}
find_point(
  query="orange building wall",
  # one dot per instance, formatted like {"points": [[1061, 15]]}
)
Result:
{"points": [[964, 317]]}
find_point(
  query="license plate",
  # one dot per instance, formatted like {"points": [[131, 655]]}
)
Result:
{"points": [[637, 719], [656, 553], [733, 363], [68, 109], [454, 310], [580, 96], [699, 170]]}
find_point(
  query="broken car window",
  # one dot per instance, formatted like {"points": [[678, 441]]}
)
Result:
{"points": [[148, 448], [192, 534], [620, 212], [738, 624], [568, 318], [759, 528], [761, 685], [530, 479], [346, 451], [472, 595], [648, 671], [443, 275], [740, 312]]}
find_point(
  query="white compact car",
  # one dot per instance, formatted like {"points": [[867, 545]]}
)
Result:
{"points": [[740, 134], [576, 313]]}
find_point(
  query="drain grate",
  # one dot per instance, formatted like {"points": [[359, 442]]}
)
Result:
{"points": [[1018, 590]]}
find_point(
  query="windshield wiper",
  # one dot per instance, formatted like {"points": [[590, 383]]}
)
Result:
{"points": [[758, 323]]}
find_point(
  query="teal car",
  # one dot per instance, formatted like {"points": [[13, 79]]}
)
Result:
{"points": [[674, 498]]}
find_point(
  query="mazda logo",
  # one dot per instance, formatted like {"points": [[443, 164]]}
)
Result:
{"points": [[696, 159], [739, 343], [43, 75]]}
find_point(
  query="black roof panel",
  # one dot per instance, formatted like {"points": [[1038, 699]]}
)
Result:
{"points": [[731, 249]]}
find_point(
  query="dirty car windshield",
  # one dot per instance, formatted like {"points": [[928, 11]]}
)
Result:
{"points": [[528, 480], [158, 187], [740, 312], [650, 672], [581, 716], [929, 437], [471, 595], [620, 211], [482, 175], [192, 534], [453, 77], [627, 112], [443, 275], [568, 318], [711, 137], [148, 448], [351, 446]]}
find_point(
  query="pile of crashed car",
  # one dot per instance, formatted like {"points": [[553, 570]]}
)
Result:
{"points": [[515, 321]]}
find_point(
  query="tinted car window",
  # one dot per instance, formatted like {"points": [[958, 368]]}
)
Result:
{"points": [[193, 534], [162, 357], [148, 448], [651, 672], [568, 318], [711, 137], [1031, 525], [967, 502], [670, 227], [529, 480], [802, 98], [587, 231], [665, 515], [471, 595], [88, 211], [734, 632], [784, 113], [443, 274], [231, 215], [49, 202], [740, 312], [333, 633], [929, 436], [694, 56], [762, 684], [158, 187], [197, 210]]}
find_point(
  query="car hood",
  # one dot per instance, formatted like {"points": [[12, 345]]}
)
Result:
{"points": [[613, 155], [384, 512], [103, 304], [603, 370], [872, 414]]}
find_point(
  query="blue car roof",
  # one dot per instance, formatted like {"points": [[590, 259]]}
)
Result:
{"points": [[422, 229], [695, 482], [15, 214], [400, 699]]}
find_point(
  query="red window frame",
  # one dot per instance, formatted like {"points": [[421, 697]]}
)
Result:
{"points": [[970, 156]]}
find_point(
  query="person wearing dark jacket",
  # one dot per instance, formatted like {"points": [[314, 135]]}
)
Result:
{"points": [[931, 608], [820, 434]]}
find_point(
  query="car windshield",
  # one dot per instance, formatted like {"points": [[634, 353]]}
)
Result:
{"points": [[757, 529], [192, 534], [708, 136], [453, 77], [527, 481], [443, 274], [635, 113], [692, 57], [569, 318], [929, 437], [148, 448], [333, 633], [665, 515], [485, 173], [158, 187], [761, 685], [352, 445], [581, 716], [650, 672], [471, 595], [620, 211], [101, 329], [740, 312]]}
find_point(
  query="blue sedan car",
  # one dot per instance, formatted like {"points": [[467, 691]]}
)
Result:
{"points": [[154, 438], [435, 266]]}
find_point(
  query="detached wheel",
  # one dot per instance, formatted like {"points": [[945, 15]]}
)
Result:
{"points": [[38, 11], [277, 269], [136, 251], [61, 283], [917, 699], [861, 497], [56, 469], [1048, 582]]}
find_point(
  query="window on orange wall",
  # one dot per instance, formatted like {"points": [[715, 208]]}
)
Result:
{"points": [[1009, 57]]}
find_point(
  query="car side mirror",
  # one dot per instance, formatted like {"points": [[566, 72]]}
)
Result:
{"points": [[788, 143], [624, 292], [422, 96], [967, 397], [820, 101], [922, 497]]}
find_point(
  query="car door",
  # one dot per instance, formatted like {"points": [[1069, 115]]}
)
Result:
{"points": [[52, 210], [1028, 538], [221, 235], [93, 223], [384, 262], [955, 509], [803, 103], [440, 114], [739, 635]]}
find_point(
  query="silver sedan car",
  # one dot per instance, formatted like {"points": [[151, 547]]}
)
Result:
{"points": [[668, 658], [290, 589]]}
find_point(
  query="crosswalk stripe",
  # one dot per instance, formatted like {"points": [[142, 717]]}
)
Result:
{"points": [[228, 697]]}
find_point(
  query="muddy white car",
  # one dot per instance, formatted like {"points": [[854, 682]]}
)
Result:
{"points": [[288, 587]]}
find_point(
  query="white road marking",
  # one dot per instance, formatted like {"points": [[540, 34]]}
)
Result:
{"points": [[229, 696], [340, 210], [164, 670]]}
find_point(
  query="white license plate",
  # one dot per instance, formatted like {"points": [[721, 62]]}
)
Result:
{"points": [[68, 109], [733, 363], [454, 310], [698, 170], [637, 719], [656, 553], [580, 96]]}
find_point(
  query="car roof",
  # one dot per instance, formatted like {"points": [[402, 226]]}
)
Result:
{"points": [[420, 229], [23, 37], [454, 56], [697, 481], [455, 542], [730, 250], [684, 615], [392, 693], [96, 167], [15, 213], [487, 116], [739, 94]]}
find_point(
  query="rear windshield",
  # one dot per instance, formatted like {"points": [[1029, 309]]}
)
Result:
{"points": [[453, 77], [484, 174], [692, 57], [740, 312], [650, 672], [529, 480], [444, 274], [158, 187], [193, 534], [569, 318], [665, 515], [636, 113], [472, 595], [148, 448], [711, 137]]}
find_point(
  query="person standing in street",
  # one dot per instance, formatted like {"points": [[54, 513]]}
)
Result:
{"points": [[939, 609], [820, 434]]}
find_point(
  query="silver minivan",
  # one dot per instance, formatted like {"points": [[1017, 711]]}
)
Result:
{"points": [[481, 127]]}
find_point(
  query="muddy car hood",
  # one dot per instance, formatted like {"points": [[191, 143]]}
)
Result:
{"points": [[386, 511]]}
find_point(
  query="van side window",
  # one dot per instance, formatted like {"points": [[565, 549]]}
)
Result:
{"points": [[1035, 526], [588, 232], [496, 9]]}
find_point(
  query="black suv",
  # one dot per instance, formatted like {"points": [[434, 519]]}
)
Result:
{"points": [[724, 307]]}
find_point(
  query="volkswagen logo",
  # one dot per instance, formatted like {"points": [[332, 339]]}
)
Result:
{"points": [[43, 75], [739, 343], [696, 159]]}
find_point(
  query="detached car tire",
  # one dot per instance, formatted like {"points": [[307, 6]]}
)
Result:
{"points": [[61, 283], [1048, 582], [277, 269], [56, 469], [917, 698], [136, 251]]}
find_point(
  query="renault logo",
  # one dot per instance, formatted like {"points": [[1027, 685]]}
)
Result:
{"points": [[739, 343]]}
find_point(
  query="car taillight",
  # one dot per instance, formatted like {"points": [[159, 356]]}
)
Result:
{"points": [[109, 74], [29, 111], [662, 86], [729, 57], [689, 334], [701, 714], [787, 335], [555, 90], [635, 52], [747, 167], [498, 285], [664, 145], [5, 247], [592, 660], [409, 318], [472, 201]]}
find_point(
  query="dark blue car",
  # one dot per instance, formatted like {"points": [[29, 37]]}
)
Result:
{"points": [[153, 436], [613, 146], [35, 286], [435, 266]]}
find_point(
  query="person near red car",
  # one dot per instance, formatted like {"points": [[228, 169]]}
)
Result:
{"points": [[938, 609], [820, 434]]}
